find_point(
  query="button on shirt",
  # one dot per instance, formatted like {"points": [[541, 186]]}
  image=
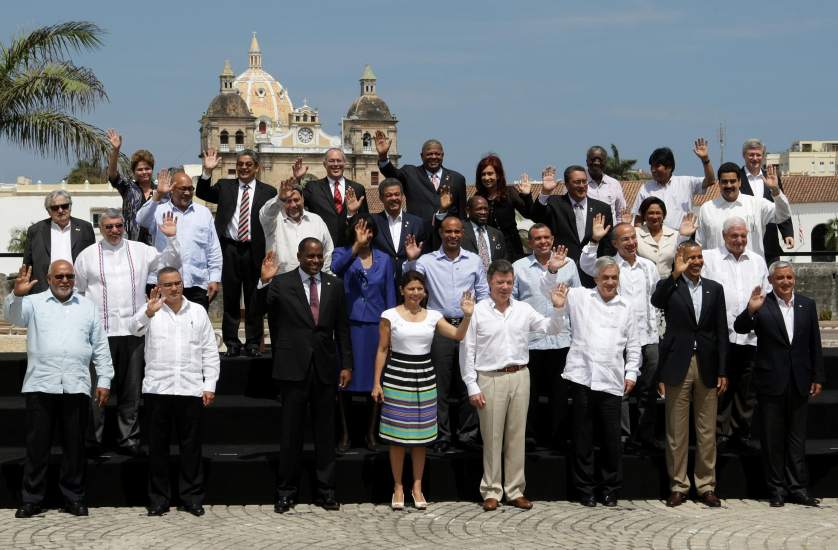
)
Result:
{"points": [[757, 183], [677, 195], [283, 235], [756, 211], [738, 278], [61, 247], [181, 355], [233, 226], [527, 288], [200, 250], [609, 191], [787, 310], [496, 339], [447, 279], [61, 339]]}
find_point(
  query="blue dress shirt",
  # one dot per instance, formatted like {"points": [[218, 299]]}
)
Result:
{"points": [[61, 339], [447, 279]]}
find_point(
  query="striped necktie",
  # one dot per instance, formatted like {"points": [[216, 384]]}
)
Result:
{"points": [[244, 215]]}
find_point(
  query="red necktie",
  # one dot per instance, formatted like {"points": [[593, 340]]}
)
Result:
{"points": [[338, 198], [314, 300]]}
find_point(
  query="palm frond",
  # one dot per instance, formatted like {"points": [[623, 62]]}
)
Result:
{"points": [[54, 133], [58, 86], [49, 43]]}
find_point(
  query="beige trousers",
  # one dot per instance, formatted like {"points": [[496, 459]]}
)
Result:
{"points": [[503, 423], [703, 399]]}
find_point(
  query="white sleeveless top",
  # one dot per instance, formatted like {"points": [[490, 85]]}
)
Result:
{"points": [[409, 337]]}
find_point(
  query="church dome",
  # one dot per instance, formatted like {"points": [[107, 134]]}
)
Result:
{"points": [[265, 97], [228, 105], [368, 106]]}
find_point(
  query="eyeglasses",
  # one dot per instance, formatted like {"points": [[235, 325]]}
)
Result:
{"points": [[173, 284], [184, 189], [245, 164], [110, 226], [64, 276], [57, 207]]}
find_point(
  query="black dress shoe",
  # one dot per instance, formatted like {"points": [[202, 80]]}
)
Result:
{"points": [[196, 511], [158, 510], [776, 501], [77, 508], [283, 504], [609, 500], [588, 500], [233, 350], [252, 351], [27, 510], [328, 503], [135, 451], [471, 445], [803, 500]]}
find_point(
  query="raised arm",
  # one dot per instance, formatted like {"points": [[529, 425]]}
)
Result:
{"points": [[205, 190], [113, 157], [701, 150]]}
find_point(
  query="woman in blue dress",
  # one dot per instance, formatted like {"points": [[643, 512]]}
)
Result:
{"points": [[369, 283]]}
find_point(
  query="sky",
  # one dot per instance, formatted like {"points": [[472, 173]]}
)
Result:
{"points": [[536, 82]]}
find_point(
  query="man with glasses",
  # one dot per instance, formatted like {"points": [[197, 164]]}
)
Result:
{"points": [[112, 273], [59, 237], [242, 241]]}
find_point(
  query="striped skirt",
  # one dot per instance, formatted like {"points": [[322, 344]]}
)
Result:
{"points": [[408, 415]]}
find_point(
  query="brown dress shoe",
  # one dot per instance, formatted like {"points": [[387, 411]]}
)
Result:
{"points": [[710, 499], [490, 504], [521, 502], [676, 499]]}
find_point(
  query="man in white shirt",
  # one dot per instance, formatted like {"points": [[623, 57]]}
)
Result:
{"points": [[182, 368], [112, 273], [638, 278], [493, 363], [601, 186], [738, 269], [675, 191], [286, 223], [756, 211], [604, 332]]}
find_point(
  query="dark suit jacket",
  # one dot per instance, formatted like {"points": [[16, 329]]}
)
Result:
{"points": [[779, 363], [225, 193], [497, 250], [770, 241], [319, 199], [422, 198], [39, 247], [411, 225], [558, 215], [709, 332], [296, 342]]}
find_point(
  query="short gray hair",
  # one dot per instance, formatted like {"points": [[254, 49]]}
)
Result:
{"points": [[58, 193], [338, 149], [110, 214], [248, 153], [603, 262], [779, 264], [733, 221], [752, 143]]}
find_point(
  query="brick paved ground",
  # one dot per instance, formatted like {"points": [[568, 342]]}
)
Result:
{"points": [[634, 524]]}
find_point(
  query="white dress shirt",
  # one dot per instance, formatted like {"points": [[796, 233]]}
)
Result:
{"points": [[233, 226], [495, 340], [738, 278], [787, 311], [61, 247], [395, 225], [341, 185], [609, 191], [306, 279], [757, 183], [283, 235], [756, 211], [181, 355], [677, 195], [114, 278]]}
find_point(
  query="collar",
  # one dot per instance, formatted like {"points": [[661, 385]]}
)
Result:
{"points": [[431, 174], [757, 175], [725, 253], [394, 219], [184, 305], [188, 208], [476, 226], [440, 255], [574, 202], [304, 277], [74, 298], [534, 262], [781, 302], [56, 227], [691, 285], [340, 181], [623, 262], [738, 201], [494, 304], [613, 301], [249, 185], [107, 245], [286, 218]]}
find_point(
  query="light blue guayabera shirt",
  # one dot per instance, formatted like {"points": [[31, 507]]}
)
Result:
{"points": [[528, 274], [61, 339], [200, 250], [448, 279]]}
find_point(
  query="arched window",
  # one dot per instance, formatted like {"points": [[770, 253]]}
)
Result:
{"points": [[263, 127], [367, 142], [819, 243], [239, 141], [224, 141]]}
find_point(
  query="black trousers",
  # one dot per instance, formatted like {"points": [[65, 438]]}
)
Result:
{"points": [[783, 442], [602, 410], [320, 399], [198, 295], [240, 273], [546, 368], [183, 413], [43, 412], [128, 355], [445, 354], [736, 405], [645, 393]]}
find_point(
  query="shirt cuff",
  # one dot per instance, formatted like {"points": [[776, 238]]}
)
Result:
{"points": [[206, 175], [473, 388], [209, 386], [103, 382], [260, 285], [631, 376]]}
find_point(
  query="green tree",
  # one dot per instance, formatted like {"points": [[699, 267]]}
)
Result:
{"points": [[831, 237], [619, 168], [17, 241], [87, 170], [42, 91]]}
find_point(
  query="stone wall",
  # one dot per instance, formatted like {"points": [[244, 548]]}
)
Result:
{"points": [[819, 281]]}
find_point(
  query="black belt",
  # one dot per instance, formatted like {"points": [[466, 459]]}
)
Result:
{"points": [[228, 240], [454, 320]]}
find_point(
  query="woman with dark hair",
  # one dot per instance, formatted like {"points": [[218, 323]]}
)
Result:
{"points": [[490, 183], [134, 193], [369, 284], [655, 240], [405, 381]]}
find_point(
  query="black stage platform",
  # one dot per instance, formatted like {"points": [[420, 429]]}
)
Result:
{"points": [[241, 435]]}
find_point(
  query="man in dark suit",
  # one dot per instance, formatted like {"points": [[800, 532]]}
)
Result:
{"points": [[789, 369], [307, 309], [752, 180], [570, 216], [424, 184], [242, 243], [692, 368], [333, 198], [394, 224], [480, 238], [59, 237]]}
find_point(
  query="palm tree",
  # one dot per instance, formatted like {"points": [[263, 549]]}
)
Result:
{"points": [[618, 168], [831, 237], [41, 91], [87, 171]]}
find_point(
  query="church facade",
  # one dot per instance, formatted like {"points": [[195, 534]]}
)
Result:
{"points": [[254, 111]]}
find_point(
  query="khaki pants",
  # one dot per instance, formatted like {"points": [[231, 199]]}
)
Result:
{"points": [[503, 424], [703, 399]]}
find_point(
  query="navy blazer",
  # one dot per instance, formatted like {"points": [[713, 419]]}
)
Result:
{"points": [[422, 198], [778, 362], [39, 247], [771, 245], [319, 199], [706, 336], [368, 291]]}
